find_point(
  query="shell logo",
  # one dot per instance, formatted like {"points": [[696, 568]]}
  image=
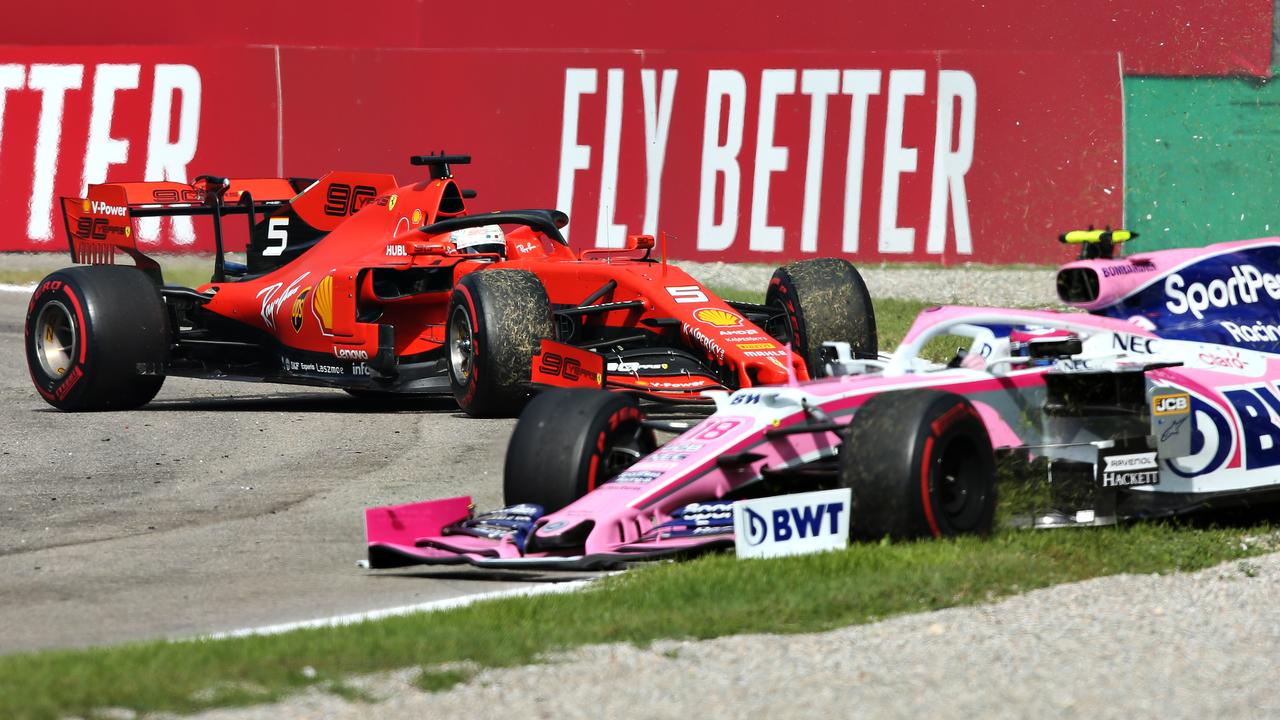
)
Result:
{"points": [[322, 304], [417, 216], [86, 205], [718, 317]]}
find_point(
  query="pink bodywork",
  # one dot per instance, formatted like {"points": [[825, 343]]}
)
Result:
{"points": [[623, 511]]}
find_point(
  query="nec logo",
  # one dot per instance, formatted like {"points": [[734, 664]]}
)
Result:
{"points": [[792, 524], [1171, 404]]}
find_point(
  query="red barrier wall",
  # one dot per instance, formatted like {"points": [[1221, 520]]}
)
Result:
{"points": [[1156, 37], [861, 160]]}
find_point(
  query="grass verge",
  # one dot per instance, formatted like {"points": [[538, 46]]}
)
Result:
{"points": [[893, 318], [709, 597]]}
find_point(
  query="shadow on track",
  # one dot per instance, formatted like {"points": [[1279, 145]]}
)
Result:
{"points": [[309, 402], [483, 574], [1264, 509]]}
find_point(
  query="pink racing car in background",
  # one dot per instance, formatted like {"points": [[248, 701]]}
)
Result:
{"points": [[1162, 398]]}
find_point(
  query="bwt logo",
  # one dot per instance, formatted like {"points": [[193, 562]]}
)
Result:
{"points": [[795, 522]]}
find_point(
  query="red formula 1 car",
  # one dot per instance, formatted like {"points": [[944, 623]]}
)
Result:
{"points": [[358, 283]]}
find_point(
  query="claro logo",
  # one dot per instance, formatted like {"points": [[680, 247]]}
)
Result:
{"points": [[1245, 286]]}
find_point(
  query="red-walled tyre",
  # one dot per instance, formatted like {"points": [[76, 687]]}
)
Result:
{"points": [[920, 464], [817, 301], [91, 332], [568, 442], [497, 319]]}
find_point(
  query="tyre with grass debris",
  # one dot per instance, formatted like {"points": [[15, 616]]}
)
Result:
{"points": [[817, 301], [497, 320]]}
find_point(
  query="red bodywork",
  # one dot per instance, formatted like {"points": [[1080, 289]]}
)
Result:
{"points": [[348, 284]]}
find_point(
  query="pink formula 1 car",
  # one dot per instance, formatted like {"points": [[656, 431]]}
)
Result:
{"points": [[1162, 398]]}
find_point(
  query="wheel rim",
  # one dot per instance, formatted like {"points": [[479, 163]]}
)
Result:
{"points": [[57, 339], [461, 346], [779, 323], [622, 449], [960, 486]]}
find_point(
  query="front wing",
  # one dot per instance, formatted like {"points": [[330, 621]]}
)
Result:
{"points": [[417, 534]]}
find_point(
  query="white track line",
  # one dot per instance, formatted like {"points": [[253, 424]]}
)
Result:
{"points": [[434, 606], [28, 289]]}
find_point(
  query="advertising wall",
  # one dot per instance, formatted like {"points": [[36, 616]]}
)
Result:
{"points": [[881, 132], [1155, 37], [741, 156]]}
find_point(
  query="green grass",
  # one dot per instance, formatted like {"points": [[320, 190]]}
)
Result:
{"points": [[893, 319], [441, 679], [710, 597]]}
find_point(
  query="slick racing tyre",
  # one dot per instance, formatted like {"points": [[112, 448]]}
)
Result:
{"points": [[920, 464], [569, 441], [89, 331], [497, 319], [817, 301]]}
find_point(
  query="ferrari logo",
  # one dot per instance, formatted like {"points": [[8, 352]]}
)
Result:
{"points": [[391, 203], [295, 315]]}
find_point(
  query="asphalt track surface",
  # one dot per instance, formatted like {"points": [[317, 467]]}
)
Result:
{"points": [[217, 507]]}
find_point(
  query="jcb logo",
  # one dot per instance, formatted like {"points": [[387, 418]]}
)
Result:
{"points": [[1171, 404]]}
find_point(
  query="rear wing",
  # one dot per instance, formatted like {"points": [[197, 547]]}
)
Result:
{"points": [[101, 224]]}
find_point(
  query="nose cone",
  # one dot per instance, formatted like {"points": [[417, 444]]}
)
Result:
{"points": [[770, 374]]}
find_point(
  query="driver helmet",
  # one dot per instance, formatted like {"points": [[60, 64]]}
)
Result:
{"points": [[481, 239], [1021, 340]]}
